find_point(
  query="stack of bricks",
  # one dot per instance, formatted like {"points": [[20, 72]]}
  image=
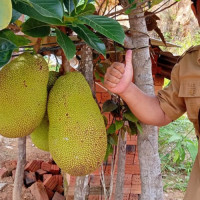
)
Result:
{"points": [[43, 178]]}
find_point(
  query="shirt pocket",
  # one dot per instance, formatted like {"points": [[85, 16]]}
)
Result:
{"points": [[190, 91]]}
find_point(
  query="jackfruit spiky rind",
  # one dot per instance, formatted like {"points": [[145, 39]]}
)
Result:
{"points": [[23, 88], [77, 134], [39, 136]]}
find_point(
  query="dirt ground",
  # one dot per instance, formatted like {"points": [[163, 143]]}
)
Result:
{"points": [[8, 151]]}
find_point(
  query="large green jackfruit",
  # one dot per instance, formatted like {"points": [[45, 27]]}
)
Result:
{"points": [[77, 134], [39, 136], [23, 95]]}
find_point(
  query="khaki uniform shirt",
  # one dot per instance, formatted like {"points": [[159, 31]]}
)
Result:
{"points": [[183, 94]]}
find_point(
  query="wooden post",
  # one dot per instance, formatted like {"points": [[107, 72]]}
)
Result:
{"points": [[19, 176]]}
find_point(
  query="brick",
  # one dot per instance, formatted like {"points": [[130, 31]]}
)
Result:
{"points": [[98, 87], [50, 183], [126, 196], [105, 96], [136, 180], [136, 189], [13, 174], [58, 196], [41, 172], [30, 178], [54, 169], [46, 176], [38, 191], [129, 159], [11, 165], [3, 172], [132, 169], [127, 179], [33, 166], [59, 179], [94, 180], [50, 193], [136, 159], [59, 189], [98, 97], [133, 197], [93, 197], [46, 166]]}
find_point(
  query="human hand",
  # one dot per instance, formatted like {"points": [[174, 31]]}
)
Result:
{"points": [[118, 76]]}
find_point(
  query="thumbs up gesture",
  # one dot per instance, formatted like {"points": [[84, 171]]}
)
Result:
{"points": [[119, 76]]}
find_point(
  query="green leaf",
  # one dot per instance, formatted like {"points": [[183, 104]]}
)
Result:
{"points": [[6, 49], [31, 12], [50, 8], [130, 116], [130, 1], [17, 40], [139, 127], [132, 128], [88, 10], [70, 5], [35, 28], [176, 156], [192, 150], [113, 139], [111, 129], [175, 138], [109, 106], [67, 45], [106, 26], [15, 15], [109, 150], [90, 38], [119, 124], [128, 11]]}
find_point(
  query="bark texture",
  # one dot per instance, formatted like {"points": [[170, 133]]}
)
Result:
{"points": [[19, 176], [152, 188], [121, 167], [82, 187]]}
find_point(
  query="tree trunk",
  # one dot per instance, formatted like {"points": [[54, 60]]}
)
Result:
{"points": [[81, 187], [19, 176], [121, 166], [151, 178]]}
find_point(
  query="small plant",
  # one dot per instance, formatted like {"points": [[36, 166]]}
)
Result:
{"points": [[178, 150]]}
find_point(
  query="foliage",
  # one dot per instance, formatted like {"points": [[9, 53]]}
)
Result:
{"points": [[178, 149], [61, 18]]}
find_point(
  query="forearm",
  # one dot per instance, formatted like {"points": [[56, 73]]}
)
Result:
{"points": [[146, 108]]}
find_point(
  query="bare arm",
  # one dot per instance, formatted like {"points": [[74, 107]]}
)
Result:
{"points": [[118, 79]]}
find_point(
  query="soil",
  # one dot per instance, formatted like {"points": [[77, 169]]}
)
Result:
{"points": [[9, 152]]}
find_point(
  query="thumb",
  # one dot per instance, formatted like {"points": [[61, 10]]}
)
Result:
{"points": [[128, 60]]}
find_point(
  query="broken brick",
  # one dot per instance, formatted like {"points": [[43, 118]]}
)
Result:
{"points": [[50, 183], [3, 172], [50, 193], [55, 169], [59, 179], [46, 166], [59, 189], [38, 191], [41, 172], [46, 176], [33, 166], [58, 196], [30, 178]]}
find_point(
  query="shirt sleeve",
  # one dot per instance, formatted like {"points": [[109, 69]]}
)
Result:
{"points": [[170, 102]]}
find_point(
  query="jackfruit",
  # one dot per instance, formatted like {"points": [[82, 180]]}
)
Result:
{"points": [[5, 13], [77, 134], [23, 88], [39, 136]]}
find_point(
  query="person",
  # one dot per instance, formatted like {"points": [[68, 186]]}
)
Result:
{"points": [[182, 95]]}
